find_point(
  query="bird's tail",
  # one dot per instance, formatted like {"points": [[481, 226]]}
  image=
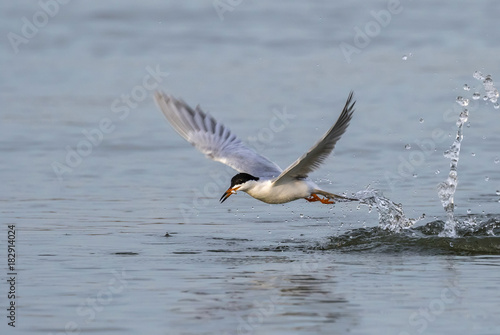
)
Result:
{"points": [[334, 197]]}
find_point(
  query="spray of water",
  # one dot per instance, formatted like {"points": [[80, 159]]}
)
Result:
{"points": [[390, 215], [446, 189], [491, 92]]}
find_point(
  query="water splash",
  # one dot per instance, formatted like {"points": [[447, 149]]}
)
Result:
{"points": [[492, 93], [462, 101], [446, 189], [390, 215]]}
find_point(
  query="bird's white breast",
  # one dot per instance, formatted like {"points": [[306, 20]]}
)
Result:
{"points": [[265, 191]]}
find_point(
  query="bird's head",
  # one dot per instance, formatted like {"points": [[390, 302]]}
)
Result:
{"points": [[242, 182]]}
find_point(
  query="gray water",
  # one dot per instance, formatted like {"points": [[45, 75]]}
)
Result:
{"points": [[127, 236]]}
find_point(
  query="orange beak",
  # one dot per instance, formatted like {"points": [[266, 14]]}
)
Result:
{"points": [[228, 193]]}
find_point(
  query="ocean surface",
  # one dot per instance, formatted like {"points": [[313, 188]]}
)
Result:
{"points": [[117, 220]]}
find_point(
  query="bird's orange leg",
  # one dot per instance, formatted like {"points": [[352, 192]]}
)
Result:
{"points": [[314, 197]]}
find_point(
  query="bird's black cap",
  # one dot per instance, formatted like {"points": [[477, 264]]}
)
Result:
{"points": [[240, 178]]}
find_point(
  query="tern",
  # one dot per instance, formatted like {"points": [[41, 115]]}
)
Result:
{"points": [[258, 176]]}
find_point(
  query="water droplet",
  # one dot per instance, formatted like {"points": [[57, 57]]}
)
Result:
{"points": [[492, 92], [485, 98], [451, 244], [407, 147], [476, 96], [497, 160], [466, 87], [404, 57], [421, 120], [464, 115], [478, 75], [437, 172], [415, 175], [488, 80], [469, 211], [301, 215], [462, 101], [498, 192], [496, 106], [486, 178]]}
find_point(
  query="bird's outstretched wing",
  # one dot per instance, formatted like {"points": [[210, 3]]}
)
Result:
{"points": [[311, 160], [214, 139]]}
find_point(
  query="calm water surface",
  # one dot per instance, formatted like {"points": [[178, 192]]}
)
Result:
{"points": [[128, 237]]}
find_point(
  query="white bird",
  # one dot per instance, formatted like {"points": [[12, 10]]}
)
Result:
{"points": [[258, 176]]}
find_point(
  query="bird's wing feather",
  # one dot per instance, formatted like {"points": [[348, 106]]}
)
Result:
{"points": [[213, 139], [311, 160]]}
